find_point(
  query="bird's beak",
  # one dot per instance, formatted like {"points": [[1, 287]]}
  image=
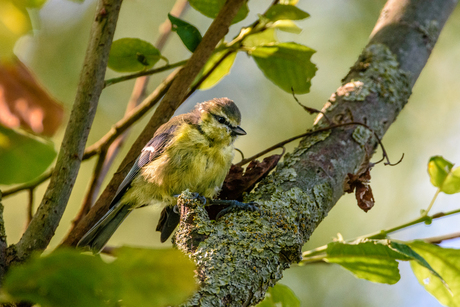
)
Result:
{"points": [[239, 131]]}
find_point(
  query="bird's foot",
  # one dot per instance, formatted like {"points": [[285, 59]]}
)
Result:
{"points": [[234, 205], [195, 195]]}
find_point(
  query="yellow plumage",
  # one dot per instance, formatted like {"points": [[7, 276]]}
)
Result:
{"points": [[191, 151]]}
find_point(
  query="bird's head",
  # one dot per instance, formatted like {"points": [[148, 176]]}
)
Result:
{"points": [[219, 120]]}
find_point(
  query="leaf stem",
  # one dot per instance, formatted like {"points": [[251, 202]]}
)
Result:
{"points": [[432, 202], [112, 81]]}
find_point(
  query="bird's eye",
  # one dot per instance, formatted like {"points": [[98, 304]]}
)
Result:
{"points": [[221, 119]]}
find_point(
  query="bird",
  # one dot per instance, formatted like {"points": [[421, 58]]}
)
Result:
{"points": [[191, 151]]}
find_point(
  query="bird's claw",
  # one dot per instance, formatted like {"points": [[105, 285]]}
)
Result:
{"points": [[195, 195], [237, 205]]}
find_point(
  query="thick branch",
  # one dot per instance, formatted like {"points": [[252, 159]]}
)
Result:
{"points": [[172, 100], [243, 253], [42, 227]]}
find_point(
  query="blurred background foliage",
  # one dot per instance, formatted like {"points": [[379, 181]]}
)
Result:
{"points": [[338, 31]]}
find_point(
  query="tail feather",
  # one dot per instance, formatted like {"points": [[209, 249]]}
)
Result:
{"points": [[102, 231]]}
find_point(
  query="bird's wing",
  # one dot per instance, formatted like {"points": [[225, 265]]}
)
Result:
{"points": [[152, 150]]}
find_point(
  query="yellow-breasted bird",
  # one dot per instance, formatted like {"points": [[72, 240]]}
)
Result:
{"points": [[191, 151]]}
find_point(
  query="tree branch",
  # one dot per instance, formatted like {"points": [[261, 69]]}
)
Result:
{"points": [[250, 252], [172, 100], [49, 213], [3, 244]]}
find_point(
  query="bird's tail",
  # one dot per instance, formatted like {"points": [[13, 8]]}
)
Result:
{"points": [[102, 231]]}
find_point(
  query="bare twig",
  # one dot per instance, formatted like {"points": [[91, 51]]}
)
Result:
{"points": [[49, 213], [30, 206], [134, 116], [149, 72], [3, 244], [281, 144], [439, 239], [32, 184]]}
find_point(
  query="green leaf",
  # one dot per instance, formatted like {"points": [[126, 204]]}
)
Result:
{"points": [[210, 8], [260, 39], [64, 278], [132, 54], [442, 175], [405, 249], [154, 277], [446, 261], [371, 260], [438, 168], [221, 71], [282, 12], [138, 277], [286, 26], [287, 65], [189, 35], [280, 296], [23, 157], [451, 184]]}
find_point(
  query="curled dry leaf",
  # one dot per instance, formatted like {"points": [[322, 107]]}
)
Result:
{"points": [[24, 103], [360, 184], [239, 180]]}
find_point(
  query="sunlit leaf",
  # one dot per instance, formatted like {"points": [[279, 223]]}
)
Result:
{"points": [[374, 260], [368, 260], [438, 168], [138, 277], [23, 157], [211, 8], [189, 35], [289, 2], [451, 184], [24, 103], [288, 12], [260, 39], [287, 65], [221, 71], [132, 54], [287, 26], [443, 176], [446, 261], [152, 277], [280, 296]]}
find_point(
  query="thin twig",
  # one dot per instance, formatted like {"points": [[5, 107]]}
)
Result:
{"points": [[32, 184], [149, 72], [439, 239], [383, 234], [134, 116], [281, 144], [30, 206], [308, 109], [3, 244]]}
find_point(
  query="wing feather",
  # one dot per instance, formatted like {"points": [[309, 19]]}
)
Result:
{"points": [[151, 151]]}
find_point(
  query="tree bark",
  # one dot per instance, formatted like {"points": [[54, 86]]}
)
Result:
{"points": [[242, 254]]}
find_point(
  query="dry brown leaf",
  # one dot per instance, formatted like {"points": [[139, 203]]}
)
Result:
{"points": [[24, 103], [360, 184]]}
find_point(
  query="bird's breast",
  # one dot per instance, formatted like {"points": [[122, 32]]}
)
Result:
{"points": [[190, 165]]}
